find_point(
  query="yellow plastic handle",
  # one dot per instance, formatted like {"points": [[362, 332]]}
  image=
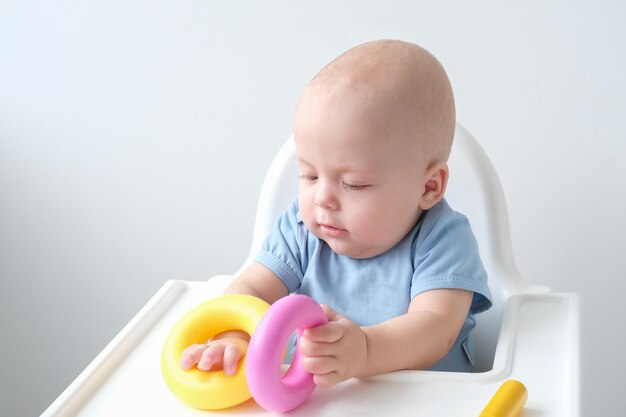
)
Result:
{"points": [[508, 401]]}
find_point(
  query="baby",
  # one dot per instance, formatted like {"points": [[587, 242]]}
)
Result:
{"points": [[370, 236]]}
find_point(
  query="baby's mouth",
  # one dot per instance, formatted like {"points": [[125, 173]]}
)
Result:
{"points": [[331, 231]]}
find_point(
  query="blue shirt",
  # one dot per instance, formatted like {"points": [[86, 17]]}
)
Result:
{"points": [[439, 252]]}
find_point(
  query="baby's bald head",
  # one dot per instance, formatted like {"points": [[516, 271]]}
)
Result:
{"points": [[399, 84]]}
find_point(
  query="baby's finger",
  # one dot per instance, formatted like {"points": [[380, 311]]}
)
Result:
{"points": [[212, 356], [310, 348], [191, 356], [331, 314], [327, 333], [232, 354], [320, 365], [327, 380]]}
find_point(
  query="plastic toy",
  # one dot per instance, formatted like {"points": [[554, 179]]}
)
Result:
{"points": [[210, 390], [270, 328], [508, 401], [268, 388]]}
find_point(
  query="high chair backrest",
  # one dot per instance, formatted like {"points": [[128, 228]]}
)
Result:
{"points": [[473, 189]]}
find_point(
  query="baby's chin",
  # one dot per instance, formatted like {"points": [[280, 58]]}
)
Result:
{"points": [[350, 250]]}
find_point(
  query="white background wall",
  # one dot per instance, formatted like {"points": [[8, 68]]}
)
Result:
{"points": [[134, 136]]}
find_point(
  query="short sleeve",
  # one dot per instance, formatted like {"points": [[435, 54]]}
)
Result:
{"points": [[283, 250], [446, 256]]}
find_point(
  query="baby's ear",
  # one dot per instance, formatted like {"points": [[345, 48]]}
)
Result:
{"points": [[436, 181]]}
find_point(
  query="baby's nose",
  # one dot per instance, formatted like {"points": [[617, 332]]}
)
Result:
{"points": [[325, 195]]}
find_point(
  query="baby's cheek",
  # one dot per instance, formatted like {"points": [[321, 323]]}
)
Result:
{"points": [[310, 223]]}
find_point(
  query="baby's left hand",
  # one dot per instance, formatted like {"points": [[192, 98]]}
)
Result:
{"points": [[335, 351]]}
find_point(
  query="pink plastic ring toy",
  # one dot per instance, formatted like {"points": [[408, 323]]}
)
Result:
{"points": [[264, 357]]}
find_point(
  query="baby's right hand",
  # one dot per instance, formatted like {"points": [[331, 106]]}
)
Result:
{"points": [[222, 352]]}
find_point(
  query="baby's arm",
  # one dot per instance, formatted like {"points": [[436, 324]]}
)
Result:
{"points": [[259, 281], [226, 349], [418, 339]]}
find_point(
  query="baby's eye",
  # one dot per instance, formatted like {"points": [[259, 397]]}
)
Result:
{"points": [[308, 178], [352, 187]]}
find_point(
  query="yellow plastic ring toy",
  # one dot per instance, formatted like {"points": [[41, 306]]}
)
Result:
{"points": [[210, 390]]}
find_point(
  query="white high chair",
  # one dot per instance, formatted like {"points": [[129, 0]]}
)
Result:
{"points": [[530, 334]]}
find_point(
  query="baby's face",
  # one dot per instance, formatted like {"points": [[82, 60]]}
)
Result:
{"points": [[359, 188]]}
